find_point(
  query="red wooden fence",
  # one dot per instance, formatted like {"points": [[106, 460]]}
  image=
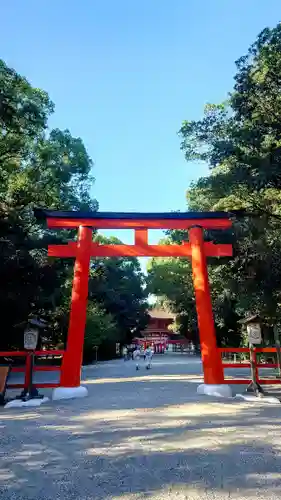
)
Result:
{"points": [[248, 365], [26, 369]]}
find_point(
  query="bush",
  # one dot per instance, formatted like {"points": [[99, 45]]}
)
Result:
{"points": [[100, 327]]}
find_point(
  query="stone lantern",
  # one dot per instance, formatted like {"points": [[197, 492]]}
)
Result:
{"points": [[253, 326]]}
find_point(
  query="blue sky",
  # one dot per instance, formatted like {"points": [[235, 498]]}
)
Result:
{"points": [[124, 74]]}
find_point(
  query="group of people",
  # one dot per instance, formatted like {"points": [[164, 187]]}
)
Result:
{"points": [[138, 354]]}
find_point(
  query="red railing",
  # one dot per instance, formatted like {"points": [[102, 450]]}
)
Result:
{"points": [[248, 365], [26, 369]]}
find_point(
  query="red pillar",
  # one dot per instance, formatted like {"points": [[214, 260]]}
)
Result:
{"points": [[211, 359], [72, 359]]}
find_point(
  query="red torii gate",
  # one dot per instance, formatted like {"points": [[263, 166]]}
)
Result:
{"points": [[85, 248]]}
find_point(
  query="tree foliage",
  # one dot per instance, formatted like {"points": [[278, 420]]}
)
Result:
{"points": [[40, 167], [119, 286], [240, 140], [170, 280], [100, 332]]}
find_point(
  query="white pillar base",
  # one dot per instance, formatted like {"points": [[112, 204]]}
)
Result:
{"points": [[69, 392], [219, 391], [18, 403], [254, 399]]}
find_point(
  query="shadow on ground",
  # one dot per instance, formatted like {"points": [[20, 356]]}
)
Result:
{"points": [[141, 436]]}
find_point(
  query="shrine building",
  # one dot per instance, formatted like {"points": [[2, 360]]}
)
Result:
{"points": [[158, 333]]}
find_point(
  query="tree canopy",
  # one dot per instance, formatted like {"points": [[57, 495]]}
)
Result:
{"points": [[240, 139], [43, 167]]}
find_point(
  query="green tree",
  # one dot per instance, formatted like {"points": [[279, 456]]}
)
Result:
{"points": [[24, 111], [118, 285], [240, 140], [117, 304], [100, 329], [38, 167], [51, 168], [170, 280]]}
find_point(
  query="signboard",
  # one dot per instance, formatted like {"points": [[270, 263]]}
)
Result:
{"points": [[30, 338], [254, 333], [150, 337]]}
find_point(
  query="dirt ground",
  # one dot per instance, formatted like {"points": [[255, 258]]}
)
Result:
{"points": [[142, 435]]}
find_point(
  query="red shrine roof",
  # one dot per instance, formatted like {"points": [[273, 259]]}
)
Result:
{"points": [[135, 220], [161, 314], [41, 213]]}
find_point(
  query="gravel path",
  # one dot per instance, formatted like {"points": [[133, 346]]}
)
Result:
{"points": [[142, 435]]}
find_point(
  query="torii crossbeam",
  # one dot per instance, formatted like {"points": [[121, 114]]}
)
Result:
{"points": [[85, 248]]}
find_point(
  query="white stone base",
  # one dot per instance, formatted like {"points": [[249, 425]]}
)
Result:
{"points": [[255, 399], [69, 392], [18, 403], [219, 391]]}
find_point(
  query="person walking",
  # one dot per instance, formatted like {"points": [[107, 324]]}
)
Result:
{"points": [[148, 357], [125, 353], [136, 357]]}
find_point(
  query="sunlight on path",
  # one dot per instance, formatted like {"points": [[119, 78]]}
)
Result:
{"points": [[141, 436], [151, 378]]}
